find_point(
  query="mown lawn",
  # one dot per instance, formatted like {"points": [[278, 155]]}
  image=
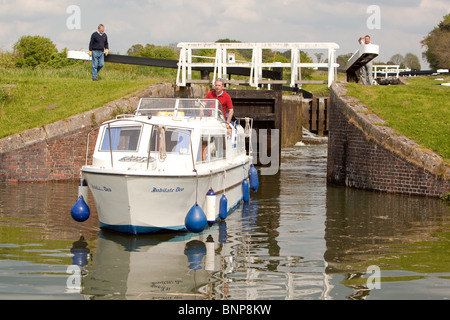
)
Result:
{"points": [[33, 98], [420, 110]]}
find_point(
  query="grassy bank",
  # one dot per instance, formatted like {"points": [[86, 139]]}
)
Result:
{"points": [[33, 98], [420, 110]]}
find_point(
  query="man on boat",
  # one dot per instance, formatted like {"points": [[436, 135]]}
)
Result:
{"points": [[223, 97], [366, 70]]}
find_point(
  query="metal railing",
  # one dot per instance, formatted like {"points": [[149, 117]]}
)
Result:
{"points": [[224, 59], [387, 70]]}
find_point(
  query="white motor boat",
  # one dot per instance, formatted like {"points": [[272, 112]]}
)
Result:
{"points": [[173, 165]]}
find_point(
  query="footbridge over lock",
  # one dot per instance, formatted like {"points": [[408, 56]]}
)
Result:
{"points": [[225, 58]]}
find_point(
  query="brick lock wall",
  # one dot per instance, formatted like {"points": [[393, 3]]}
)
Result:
{"points": [[361, 156], [24, 163], [56, 159], [67, 155]]}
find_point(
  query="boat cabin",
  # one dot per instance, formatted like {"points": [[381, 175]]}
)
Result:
{"points": [[165, 133]]}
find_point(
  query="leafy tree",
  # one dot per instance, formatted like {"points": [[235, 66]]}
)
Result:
{"points": [[33, 51], [135, 50], [6, 60], [228, 40], [397, 59], [152, 51], [409, 60], [412, 61], [343, 59], [276, 57], [437, 43], [165, 52], [59, 60]]}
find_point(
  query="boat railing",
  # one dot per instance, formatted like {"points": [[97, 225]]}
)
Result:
{"points": [[248, 125], [179, 108], [248, 129]]}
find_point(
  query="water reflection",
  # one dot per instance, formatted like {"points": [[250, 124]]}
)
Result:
{"points": [[43, 208], [162, 267], [405, 237], [298, 238], [360, 226], [172, 266]]}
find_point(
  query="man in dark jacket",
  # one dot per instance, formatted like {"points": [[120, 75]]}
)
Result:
{"points": [[98, 48]]}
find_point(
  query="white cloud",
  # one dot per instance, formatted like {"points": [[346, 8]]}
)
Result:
{"points": [[31, 8], [73, 40], [240, 11]]}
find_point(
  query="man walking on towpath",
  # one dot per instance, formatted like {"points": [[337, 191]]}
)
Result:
{"points": [[223, 97], [98, 48]]}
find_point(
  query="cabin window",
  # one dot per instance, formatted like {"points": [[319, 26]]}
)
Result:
{"points": [[211, 148], [122, 139], [177, 140]]}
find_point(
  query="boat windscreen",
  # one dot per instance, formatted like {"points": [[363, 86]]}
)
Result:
{"points": [[175, 141], [120, 138], [180, 107]]}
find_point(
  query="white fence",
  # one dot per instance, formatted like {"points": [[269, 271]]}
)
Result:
{"points": [[386, 70], [224, 59]]}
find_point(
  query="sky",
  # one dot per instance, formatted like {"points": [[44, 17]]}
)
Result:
{"points": [[397, 26]]}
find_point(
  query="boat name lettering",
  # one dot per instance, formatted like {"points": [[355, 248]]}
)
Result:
{"points": [[177, 189], [94, 187]]}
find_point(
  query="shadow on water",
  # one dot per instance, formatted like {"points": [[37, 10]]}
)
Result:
{"points": [[297, 238]]}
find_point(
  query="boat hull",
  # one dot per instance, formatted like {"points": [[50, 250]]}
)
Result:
{"points": [[140, 204]]}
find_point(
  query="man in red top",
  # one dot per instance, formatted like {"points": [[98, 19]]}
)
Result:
{"points": [[223, 97]]}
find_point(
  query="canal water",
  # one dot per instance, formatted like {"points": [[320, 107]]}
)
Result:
{"points": [[297, 238]]}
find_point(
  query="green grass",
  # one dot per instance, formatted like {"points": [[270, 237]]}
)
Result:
{"points": [[420, 110], [321, 90], [34, 98]]}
